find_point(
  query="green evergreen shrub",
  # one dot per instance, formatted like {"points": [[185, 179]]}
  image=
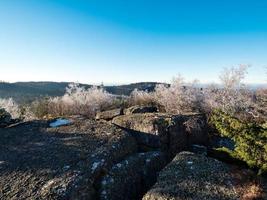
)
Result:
{"points": [[250, 139]]}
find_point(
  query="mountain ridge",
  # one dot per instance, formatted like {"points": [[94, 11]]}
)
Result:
{"points": [[29, 91]]}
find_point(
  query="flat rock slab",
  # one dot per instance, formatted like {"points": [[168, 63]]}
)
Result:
{"points": [[140, 109], [109, 114], [192, 177], [37, 162]]}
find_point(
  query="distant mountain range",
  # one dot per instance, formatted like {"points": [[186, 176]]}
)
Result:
{"points": [[28, 91], [24, 92]]}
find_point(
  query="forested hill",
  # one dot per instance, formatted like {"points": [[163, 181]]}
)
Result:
{"points": [[28, 91]]}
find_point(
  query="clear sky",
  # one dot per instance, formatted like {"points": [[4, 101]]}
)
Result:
{"points": [[123, 41]]}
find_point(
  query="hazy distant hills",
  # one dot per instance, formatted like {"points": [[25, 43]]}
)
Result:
{"points": [[28, 91]]}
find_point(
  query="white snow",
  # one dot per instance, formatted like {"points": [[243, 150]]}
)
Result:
{"points": [[189, 162], [103, 192], [119, 165], [59, 122], [104, 182], [95, 165]]}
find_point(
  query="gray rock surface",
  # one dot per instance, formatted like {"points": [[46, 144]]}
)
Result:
{"points": [[171, 133], [37, 162], [130, 178], [140, 109], [109, 114], [5, 117], [193, 177]]}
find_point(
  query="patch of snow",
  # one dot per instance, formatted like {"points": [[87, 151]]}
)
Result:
{"points": [[77, 172], [39, 144], [103, 192], [66, 167], [59, 122], [104, 182], [119, 165], [156, 154], [189, 162], [95, 165], [93, 155]]}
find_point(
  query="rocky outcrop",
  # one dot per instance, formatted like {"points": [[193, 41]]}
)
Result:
{"points": [[140, 109], [109, 114], [133, 176], [192, 176], [65, 162], [5, 118], [95, 159], [199, 149], [197, 129], [172, 133]]}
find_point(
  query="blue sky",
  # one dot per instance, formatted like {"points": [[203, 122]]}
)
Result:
{"points": [[124, 41]]}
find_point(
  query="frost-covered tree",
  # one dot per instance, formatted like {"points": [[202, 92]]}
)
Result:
{"points": [[80, 101], [139, 97], [231, 96], [10, 106], [179, 97]]}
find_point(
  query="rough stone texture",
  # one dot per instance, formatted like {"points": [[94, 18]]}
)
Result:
{"points": [[109, 114], [219, 142], [130, 178], [37, 162], [193, 177], [153, 129], [199, 149], [5, 118], [140, 109], [171, 133], [197, 129]]}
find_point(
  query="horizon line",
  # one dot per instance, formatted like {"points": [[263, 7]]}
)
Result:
{"points": [[123, 83]]}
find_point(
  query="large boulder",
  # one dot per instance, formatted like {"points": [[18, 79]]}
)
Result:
{"points": [[66, 162], [130, 178], [194, 176], [109, 114], [140, 109], [197, 129], [152, 130], [5, 118], [171, 133]]}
